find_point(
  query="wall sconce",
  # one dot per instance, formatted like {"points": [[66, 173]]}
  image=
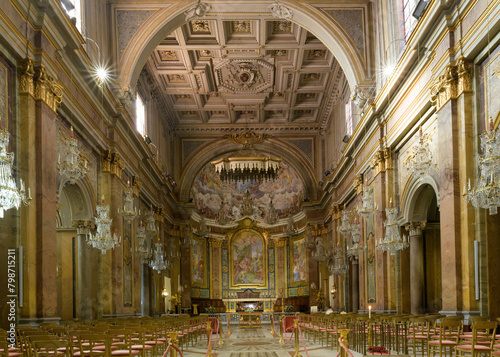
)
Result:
{"points": [[333, 291], [164, 293]]}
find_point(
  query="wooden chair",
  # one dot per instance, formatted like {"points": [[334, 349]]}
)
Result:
{"points": [[123, 342], [5, 351], [447, 338], [483, 339], [418, 334], [50, 347], [92, 344]]}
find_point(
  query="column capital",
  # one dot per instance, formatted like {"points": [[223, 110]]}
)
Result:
{"points": [[358, 184], [27, 72], [47, 89], [136, 186], [83, 226], [377, 163], [415, 228], [452, 82]]}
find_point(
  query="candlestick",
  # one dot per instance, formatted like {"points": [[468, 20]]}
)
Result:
{"points": [[369, 311]]}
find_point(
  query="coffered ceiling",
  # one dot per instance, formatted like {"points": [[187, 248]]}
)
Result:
{"points": [[234, 72]]}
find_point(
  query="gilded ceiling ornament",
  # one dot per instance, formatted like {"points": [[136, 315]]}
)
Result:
{"points": [[168, 55], [247, 138], [282, 27], [200, 26], [316, 54], [241, 26]]}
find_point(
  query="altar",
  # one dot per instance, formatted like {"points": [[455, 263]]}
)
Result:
{"points": [[250, 319]]}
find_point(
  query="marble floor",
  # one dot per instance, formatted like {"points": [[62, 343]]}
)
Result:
{"points": [[257, 342]]}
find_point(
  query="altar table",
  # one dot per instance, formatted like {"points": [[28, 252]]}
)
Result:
{"points": [[250, 319]]}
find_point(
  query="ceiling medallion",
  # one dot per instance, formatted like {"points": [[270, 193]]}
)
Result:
{"points": [[244, 75], [247, 138]]}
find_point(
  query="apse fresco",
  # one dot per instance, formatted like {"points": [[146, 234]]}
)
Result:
{"points": [[247, 257], [210, 195]]}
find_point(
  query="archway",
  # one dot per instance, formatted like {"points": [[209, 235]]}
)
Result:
{"points": [[74, 256], [167, 20], [423, 279]]}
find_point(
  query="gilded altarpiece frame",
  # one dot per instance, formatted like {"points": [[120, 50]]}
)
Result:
{"points": [[298, 267], [200, 268], [247, 260]]}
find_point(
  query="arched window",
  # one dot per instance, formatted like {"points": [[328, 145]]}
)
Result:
{"points": [[141, 115], [408, 20], [74, 10]]}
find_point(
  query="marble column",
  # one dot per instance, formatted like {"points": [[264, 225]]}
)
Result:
{"points": [[355, 285], [145, 293], [85, 268], [417, 288]]}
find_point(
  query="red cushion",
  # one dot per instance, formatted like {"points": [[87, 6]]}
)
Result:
{"points": [[476, 347]]}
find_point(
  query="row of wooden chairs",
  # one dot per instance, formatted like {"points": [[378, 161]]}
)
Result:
{"points": [[117, 337], [420, 334]]}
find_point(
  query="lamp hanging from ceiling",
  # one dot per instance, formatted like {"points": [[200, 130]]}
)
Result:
{"points": [[143, 249], [158, 262], [356, 248], [151, 223], [103, 239], [486, 193], [345, 225], [73, 165], [392, 241], [368, 203], [339, 265], [10, 195], [128, 212]]}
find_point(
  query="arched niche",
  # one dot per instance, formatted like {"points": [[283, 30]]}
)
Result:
{"points": [[417, 197], [219, 148], [77, 202], [164, 21]]}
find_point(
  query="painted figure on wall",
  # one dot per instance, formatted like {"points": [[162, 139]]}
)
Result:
{"points": [[198, 261], [299, 262], [248, 259]]}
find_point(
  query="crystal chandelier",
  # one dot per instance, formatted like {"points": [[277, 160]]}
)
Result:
{"points": [[486, 193], [128, 212], [345, 225], [103, 239], [339, 266], [73, 166], [392, 241], [143, 250], [271, 213], [356, 248], [10, 196], [369, 206], [247, 168], [151, 223], [158, 262], [420, 161]]}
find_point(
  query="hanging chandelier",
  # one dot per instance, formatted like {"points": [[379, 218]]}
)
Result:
{"points": [[368, 206], [128, 212], [103, 239], [356, 248], [339, 266], [392, 241], [151, 223], [247, 168], [486, 193], [420, 161], [73, 166], [158, 262], [10, 195], [143, 250], [345, 225]]}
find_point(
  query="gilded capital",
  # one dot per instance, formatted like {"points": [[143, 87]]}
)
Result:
{"points": [[106, 161], [83, 226], [116, 165], [215, 243], [358, 184], [46, 88], [27, 72], [415, 228], [377, 163], [137, 186], [464, 76], [445, 87]]}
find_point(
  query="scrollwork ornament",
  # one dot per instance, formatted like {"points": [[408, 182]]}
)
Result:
{"points": [[197, 11], [280, 11]]}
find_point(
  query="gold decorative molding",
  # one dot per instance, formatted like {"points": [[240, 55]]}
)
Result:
{"points": [[27, 72], [46, 88], [358, 184], [136, 186], [247, 138], [377, 163], [464, 76], [455, 80], [117, 165], [106, 161], [388, 158]]}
